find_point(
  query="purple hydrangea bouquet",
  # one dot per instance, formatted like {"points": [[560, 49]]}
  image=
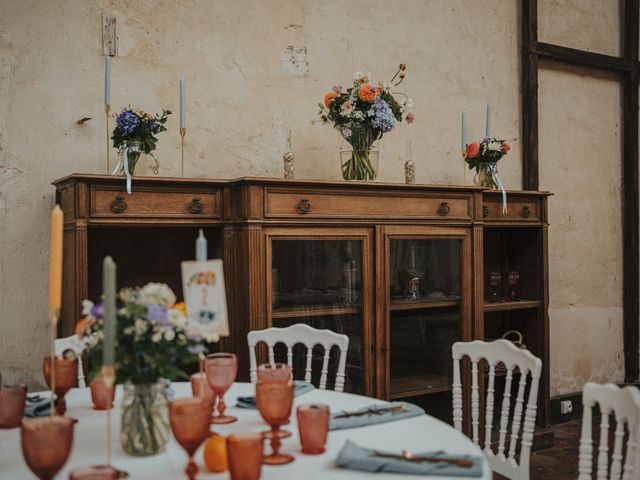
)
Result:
{"points": [[362, 114], [135, 133]]}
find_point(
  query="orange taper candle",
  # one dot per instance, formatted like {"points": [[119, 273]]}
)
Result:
{"points": [[55, 265]]}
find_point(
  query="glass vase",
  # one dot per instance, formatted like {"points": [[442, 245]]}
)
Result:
{"points": [[133, 150], [145, 418], [487, 175], [361, 161]]}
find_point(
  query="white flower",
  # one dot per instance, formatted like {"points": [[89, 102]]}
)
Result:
{"points": [[129, 330], [358, 115], [346, 109], [494, 146], [210, 337], [141, 326], [87, 305], [156, 337], [169, 335], [408, 104], [157, 294], [177, 318]]}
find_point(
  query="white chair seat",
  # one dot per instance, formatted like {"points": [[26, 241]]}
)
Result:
{"points": [[510, 464], [301, 333]]}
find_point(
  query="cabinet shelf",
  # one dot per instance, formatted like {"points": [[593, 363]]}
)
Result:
{"points": [[511, 305], [314, 312], [444, 303], [414, 384]]}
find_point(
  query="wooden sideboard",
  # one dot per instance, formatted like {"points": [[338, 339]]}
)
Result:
{"points": [[404, 270]]}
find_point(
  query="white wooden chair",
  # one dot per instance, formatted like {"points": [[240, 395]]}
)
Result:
{"points": [[500, 351], [301, 333], [72, 343], [624, 405]]}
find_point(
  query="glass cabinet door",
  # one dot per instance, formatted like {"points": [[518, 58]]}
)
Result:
{"points": [[324, 283], [425, 276]]}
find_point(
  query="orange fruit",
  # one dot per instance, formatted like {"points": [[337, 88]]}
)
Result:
{"points": [[215, 453]]}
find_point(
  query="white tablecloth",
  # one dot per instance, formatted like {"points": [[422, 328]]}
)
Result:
{"points": [[418, 434]]}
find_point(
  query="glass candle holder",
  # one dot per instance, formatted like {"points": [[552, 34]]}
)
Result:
{"points": [[12, 402], [102, 395], [313, 426], [512, 281], [46, 444], [244, 452], [96, 472], [198, 381], [495, 279]]}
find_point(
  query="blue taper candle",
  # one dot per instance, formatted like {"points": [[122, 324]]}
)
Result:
{"points": [[109, 290], [201, 247], [488, 122], [183, 123], [107, 80], [463, 145]]}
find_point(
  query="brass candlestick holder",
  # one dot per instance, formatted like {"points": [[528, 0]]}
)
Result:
{"points": [[107, 109], [183, 132]]}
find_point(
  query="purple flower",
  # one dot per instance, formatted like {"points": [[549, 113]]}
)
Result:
{"points": [[196, 349], [157, 314], [383, 118], [127, 122], [97, 311]]}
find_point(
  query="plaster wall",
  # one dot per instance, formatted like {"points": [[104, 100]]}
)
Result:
{"points": [[581, 162], [244, 92]]}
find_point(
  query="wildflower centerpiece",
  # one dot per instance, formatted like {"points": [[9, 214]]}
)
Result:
{"points": [[153, 345], [135, 133], [362, 114], [483, 156]]}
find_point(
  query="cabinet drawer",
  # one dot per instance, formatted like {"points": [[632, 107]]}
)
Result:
{"points": [[107, 202], [518, 210], [372, 204]]}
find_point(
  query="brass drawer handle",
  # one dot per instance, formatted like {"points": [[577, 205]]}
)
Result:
{"points": [[444, 209], [118, 205], [525, 212], [304, 206], [196, 206], [485, 211]]}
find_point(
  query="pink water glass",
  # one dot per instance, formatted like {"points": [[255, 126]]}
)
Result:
{"points": [[221, 370], [12, 402], [313, 426], [199, 381], [275, 372], [245, 452]]}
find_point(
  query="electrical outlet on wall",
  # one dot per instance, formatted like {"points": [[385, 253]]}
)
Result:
{"points": [[566, 407]]}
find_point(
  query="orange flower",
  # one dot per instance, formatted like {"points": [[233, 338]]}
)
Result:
{"points": [[368, 93], [473, 150], [328, 98], [181, 307], [83, 326], [505, 147]]}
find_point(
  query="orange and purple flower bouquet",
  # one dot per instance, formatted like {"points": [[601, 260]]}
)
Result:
{"points": [[362, 114]]}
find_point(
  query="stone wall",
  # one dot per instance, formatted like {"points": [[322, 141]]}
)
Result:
{"points": [[255, 69]]}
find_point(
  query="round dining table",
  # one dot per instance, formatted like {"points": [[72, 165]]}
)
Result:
{"points": [[418, 434]]}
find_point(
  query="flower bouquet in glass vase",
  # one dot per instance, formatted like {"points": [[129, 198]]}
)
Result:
{"points": [[153, 347], [362, 114], [483, 156], [135, 133]]}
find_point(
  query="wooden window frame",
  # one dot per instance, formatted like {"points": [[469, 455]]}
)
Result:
{"points": [[627, 69]]}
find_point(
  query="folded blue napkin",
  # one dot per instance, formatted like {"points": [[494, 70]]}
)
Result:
{"points": [[354, 457], [374, 415], [37, 406], [299, 388]]}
